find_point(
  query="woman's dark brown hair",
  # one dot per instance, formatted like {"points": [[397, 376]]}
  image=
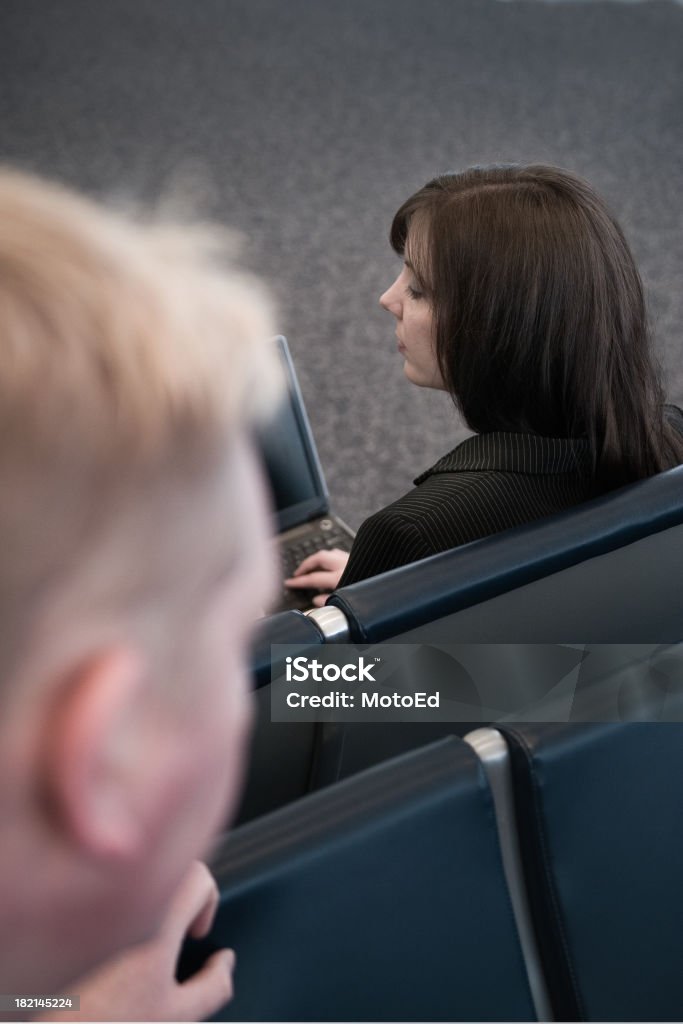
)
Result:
{"points": [[540, 315]]}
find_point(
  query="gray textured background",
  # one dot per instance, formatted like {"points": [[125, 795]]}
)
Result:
{"points": [[306, 122]]}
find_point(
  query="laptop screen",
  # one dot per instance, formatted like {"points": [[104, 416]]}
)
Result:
{"points": [[290, 456]]}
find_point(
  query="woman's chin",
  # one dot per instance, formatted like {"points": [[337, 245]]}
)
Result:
{"points": [[414, 376], [410, 374]]}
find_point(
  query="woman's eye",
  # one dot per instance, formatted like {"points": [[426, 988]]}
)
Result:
{"points": [[414, 293]]}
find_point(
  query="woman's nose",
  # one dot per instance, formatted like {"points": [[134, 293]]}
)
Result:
{"points": [[389, 300]]}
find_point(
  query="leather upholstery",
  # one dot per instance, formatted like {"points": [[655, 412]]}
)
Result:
{"points": [[282, 755], [600, 814], [384, 606], [381, 898], [284, 628]]}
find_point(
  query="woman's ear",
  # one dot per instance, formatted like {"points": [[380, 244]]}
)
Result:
{"points": [[92, 742]]}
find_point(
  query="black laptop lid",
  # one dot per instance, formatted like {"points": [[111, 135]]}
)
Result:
{"points": [[290, 456]]}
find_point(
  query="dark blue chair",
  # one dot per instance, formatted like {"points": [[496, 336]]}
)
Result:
{"points": [[600, 818], [606, 571], [282, 755], [381, 898]]}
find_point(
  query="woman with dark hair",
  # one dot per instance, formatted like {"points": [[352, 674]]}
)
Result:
{"points": [[520, 297]]}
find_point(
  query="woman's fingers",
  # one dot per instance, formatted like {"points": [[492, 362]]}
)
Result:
{"points": [[327, 558], [320, 571], [324, 579]]}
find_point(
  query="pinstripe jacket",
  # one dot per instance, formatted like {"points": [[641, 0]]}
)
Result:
{"points": [[488, 483]]}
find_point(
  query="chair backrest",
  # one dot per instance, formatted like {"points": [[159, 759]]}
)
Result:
{"points": [[381, 898], [600, 816], [605, 571], [282, 755], [478, 684]]}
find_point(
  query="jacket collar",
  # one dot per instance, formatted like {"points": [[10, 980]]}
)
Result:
{"points": [[514, 453]]}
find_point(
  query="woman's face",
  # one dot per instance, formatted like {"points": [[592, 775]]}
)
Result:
{"points": [[414, 328]]}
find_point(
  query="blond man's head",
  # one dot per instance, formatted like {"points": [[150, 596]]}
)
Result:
{"points": [[132, 545]]}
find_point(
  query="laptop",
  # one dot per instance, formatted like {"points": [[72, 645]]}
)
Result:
{"points": [[304, 521]]}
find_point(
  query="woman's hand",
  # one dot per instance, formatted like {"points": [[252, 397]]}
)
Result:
{"points": [[321, 571], [139, 984]]}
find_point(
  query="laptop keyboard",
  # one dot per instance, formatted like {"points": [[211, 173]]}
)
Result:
{"points": [[293, 552]]}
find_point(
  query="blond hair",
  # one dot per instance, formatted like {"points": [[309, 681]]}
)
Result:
{"points": [[129, 361]]}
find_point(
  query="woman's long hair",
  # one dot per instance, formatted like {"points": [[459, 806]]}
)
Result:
{"points": [[540, 314]]}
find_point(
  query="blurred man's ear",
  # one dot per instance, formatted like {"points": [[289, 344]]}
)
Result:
{"points": [[91, 751]]}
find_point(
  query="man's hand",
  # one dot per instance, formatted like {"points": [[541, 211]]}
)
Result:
{"points": [[140, 984], [321, 571]]}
